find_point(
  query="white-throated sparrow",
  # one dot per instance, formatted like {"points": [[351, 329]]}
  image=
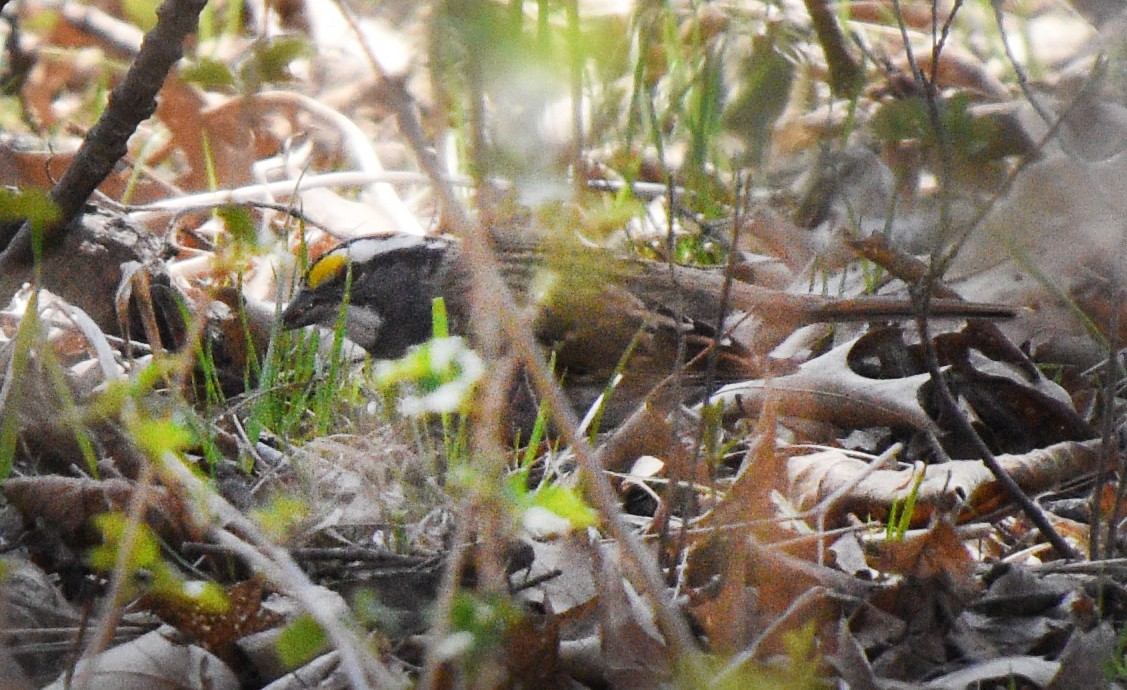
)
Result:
{"points": [[589, 308]]}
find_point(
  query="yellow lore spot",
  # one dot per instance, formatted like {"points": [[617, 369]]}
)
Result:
{"points": [[327, 268]]}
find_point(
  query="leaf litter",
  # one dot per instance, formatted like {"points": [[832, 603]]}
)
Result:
{"points": [[822, 519]]}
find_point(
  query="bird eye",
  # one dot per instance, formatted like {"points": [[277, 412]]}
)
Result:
{"points": [[328, 267]]}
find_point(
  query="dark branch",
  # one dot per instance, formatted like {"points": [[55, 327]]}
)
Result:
{"points": [[132, 102]]}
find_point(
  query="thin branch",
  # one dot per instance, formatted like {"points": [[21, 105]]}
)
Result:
{"points": [[963, 426], [846, 74], [1022, 78], [275, 563], [486, 272], [130, 103]]}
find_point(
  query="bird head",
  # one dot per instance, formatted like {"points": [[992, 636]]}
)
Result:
{"points": [[383, 287]]}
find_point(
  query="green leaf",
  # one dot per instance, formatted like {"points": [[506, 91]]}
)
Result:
{"points": [[145, 551], [566, 503], [159, 436], [272, 59], [209, 74], [439, 319], [208, 596], [281, 516], [141, 13], [439, 375], [301, 641], [33, 205], [26, 338], [902, 120], [240, 224], [479, 624]]}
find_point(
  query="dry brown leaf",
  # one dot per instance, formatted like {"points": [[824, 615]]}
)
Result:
{"points": [[531, 654], [938, 581], [634, 653], [746, 508], [961, 70], [229, 146], [728, 619], [917, 15], [938, 557], [647, 431], [67, 505], [747, 505], [1062, 217], [217, 631]]}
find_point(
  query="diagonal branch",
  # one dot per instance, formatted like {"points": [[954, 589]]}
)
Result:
{"points": [[130, 103], [486, 270]]}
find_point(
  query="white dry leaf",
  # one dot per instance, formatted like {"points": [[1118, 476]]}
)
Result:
{"points": [[347, 218], [646, 466], [1002, 671], [540, 523], [154, 662], [323, 672], [575, 587], [849, 556], [856, 487], [826, 388]]}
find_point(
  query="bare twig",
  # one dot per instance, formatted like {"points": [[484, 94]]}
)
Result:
{"points": [[1109, 446], [132, 102], [114, 602], [1022, 78], [963, 426]]}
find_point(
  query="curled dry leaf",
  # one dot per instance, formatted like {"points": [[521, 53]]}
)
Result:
{"points": [[877, 380], [1001, 671], [963, 484], [936, 555], [323, 672], [827, 388], [67, 504]]}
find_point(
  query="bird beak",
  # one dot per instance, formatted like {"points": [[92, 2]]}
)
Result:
{"points": [[303, 310]]}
